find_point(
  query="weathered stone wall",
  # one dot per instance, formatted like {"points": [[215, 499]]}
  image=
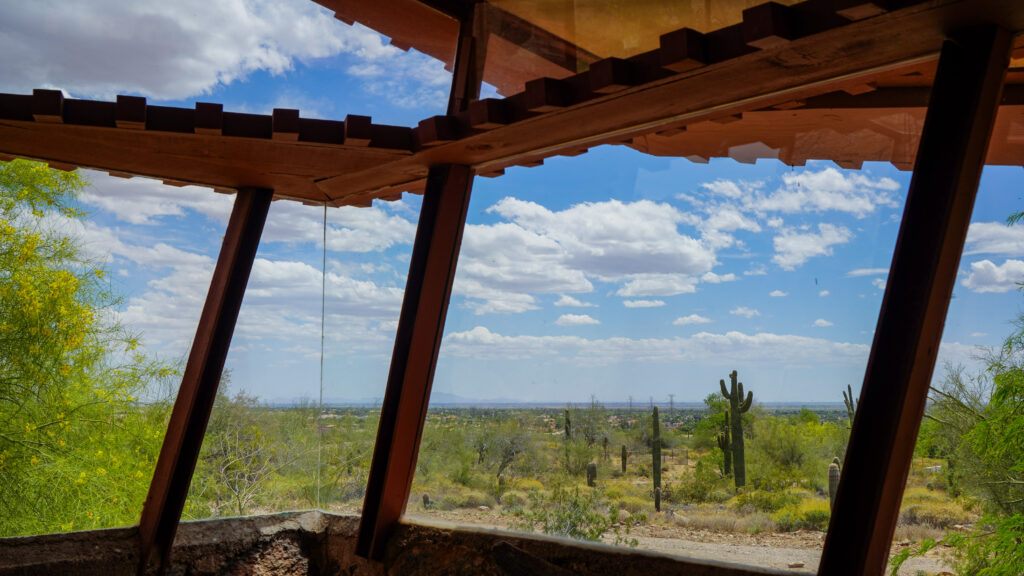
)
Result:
{"points": [[314, 544]]}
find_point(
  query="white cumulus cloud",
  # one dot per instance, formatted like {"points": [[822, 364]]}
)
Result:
{"points": [[744, 311], [994, 238], [778, 294], [567, 300], [691, 319], [822, 323], [576, 320], [643, 303], [793, 247], [986, 276], [185, 48]]}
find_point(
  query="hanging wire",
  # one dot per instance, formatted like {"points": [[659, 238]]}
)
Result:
{"points": [[323, 323]]}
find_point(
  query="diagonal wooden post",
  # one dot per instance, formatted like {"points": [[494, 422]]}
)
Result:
{"points": [[187, 426], [428, 287], [417, 342], [957, 128]]}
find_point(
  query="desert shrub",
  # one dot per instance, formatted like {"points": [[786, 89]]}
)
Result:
{"points": [[935, 514], [613, 493], [921, 495], [807, 515], [514, 499], [764, 501], [634, 505], [715, 521], [528, 485], [754, 523], [464, 498], [816, 517], [575, 456], [704, 484], [571, 513]]}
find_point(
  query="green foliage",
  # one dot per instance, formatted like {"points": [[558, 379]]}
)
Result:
{"points": [[807, 515], [569, 513], [77, 446], [764, 501], [993, 548], [704, 484]]}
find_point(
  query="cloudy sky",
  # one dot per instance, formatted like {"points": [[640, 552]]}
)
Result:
{"points": [[612, 273]]}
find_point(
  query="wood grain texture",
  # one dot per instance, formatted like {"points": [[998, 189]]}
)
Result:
{"points": [[191, 413], [956, 133]]}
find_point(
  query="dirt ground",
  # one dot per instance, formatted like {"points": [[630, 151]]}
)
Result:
{"points": [[796, 551]]}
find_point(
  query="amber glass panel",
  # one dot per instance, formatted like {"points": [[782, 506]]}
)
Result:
{"points": [[529, 39]]}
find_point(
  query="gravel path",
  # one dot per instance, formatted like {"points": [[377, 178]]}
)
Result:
{"points": [[768, 550], [765, 556]]}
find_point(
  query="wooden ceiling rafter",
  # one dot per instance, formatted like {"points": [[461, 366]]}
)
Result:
{"points": [[39, 126], [793, 60], [675, 86]]}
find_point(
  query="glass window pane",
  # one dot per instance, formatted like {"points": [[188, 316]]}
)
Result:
{"points": [[101, 287], [368, 252], [595, 290], [296, 416]]}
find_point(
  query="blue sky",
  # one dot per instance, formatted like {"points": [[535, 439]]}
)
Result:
{"points": [[612, 273]]}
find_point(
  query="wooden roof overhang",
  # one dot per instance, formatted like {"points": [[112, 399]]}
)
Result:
{"points": [[822, 86]]}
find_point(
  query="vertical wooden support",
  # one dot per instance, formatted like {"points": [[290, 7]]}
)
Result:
{"points": [[421, 322], [187, 426], [958, 124]]}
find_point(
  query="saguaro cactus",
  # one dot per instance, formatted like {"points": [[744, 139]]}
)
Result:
{"points": [[568, 425], [723, 444], [657, 499], [833, 482], [656, 449], [737, 406], [592, 474], [851, 403], [625, 455]]}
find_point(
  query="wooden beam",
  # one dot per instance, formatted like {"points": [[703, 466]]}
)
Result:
{"points": [[809, 65], [173, 474], [954, 142], [428, 288], [420, 325]]}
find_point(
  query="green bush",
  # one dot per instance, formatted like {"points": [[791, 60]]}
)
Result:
{"points": [[764, 501], [935, 514], [571, 513]]}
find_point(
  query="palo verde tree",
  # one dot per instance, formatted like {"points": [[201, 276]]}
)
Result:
{"points": [[74, 450]]}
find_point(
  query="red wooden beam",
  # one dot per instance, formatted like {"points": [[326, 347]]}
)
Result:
{"points": [[957, 128], [420, 326], [428, 288], [187, 426]]}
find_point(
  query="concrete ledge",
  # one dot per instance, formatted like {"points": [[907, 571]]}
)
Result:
{"points": [[315, 543]]}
